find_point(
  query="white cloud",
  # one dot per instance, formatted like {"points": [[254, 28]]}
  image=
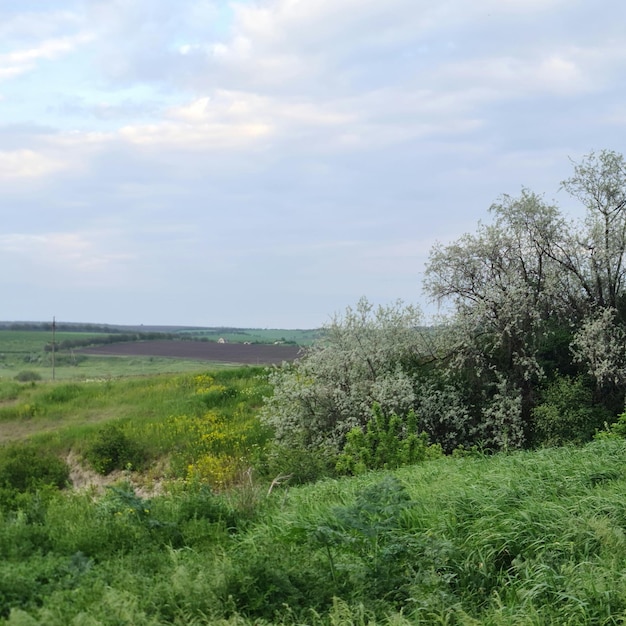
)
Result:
{"points": [[507, 76], [21, 61], [28, 164], [233, 119], [73, 255], [34, 25], [321, 144]]}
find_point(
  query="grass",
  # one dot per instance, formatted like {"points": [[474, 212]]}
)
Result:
{"points": [[534, 537], [527, 538], [62, 411], [34, 341], [25, 350]]}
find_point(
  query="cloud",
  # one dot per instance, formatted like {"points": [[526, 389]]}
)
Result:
{"points": [[28, 164], [563, 73], [72, 256], [21, 61], [309, 150]]}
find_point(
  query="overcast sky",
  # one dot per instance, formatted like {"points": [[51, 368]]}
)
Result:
{"points": [[265, 164]]}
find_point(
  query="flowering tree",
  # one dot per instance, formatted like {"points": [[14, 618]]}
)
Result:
{"points": [[366, 356]]}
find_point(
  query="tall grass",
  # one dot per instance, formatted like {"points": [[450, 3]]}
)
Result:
{"points": [[527, 538], [62, 413]]}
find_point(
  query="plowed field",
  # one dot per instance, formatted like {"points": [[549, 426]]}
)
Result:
{"points": [[250, 354]]}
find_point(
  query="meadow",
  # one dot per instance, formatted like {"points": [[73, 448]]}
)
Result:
{"points": [[188, 512], [527, 538]]}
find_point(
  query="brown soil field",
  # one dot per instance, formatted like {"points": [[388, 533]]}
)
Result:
{"points": [[248, 354]]}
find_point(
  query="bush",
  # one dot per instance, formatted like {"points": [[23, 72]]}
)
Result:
{"points": [[27, 376], [63, 393], [295, 464], [387, 442], [26, 467], [114, 449], [367, 356], [372, 533], [567, 414], [444, 413]]}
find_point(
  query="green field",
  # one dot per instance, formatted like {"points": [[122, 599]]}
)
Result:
{"points": [[25, 350]]}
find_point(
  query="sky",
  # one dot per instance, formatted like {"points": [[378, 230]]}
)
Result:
{"points": [[266, 164]]}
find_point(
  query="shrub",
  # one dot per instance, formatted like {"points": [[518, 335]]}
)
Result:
{"points": [[114, 449], [443, 413], [387, 442], [63, 393], [20, 411], [567, 413], [26, 467], [502, 426], [616, 430], [295, 464], [367, 356], [27, 376], [372, 532]]}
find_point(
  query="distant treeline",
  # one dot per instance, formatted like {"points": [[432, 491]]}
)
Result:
{"points": [[82, 342], [60, 326]]}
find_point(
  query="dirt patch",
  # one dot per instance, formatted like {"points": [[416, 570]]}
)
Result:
{"points": [[83, 478], [245, 354]]}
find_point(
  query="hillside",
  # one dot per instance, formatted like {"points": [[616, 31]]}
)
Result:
{"points": [[184, 510]]}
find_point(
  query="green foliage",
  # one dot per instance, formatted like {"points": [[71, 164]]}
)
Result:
{"points": [[198, 502], [534, 294], [113, 449], [26, 467], [374, 531], [600, 344], [27, 376], [269, 586], [616, 430], [215, 447], [388, 442], [528, 537], [444, 412], [567, 413], [295, 464], [502, 426], [20, 411], [63, 393], [23, 585]]}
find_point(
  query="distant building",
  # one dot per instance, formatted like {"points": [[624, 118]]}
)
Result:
{"points": [[221, 340]]}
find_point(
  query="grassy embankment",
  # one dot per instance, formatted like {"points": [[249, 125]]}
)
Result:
{"points": [[527, 538]]}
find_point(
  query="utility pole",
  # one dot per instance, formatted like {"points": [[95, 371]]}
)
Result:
{"points": [[54, 328]]}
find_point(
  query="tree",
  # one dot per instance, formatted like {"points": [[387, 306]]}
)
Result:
{"points": [[366, 356], [533, 297], [597, 259], [530, 284], [504, 287]]}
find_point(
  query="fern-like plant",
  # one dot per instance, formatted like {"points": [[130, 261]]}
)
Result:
{"points": [[387, 442]]}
